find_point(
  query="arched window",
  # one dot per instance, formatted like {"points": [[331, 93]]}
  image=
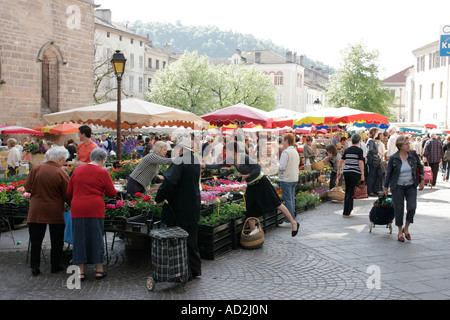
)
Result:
{"points": [[49, 96], [50, 57], [279, 78], [272, 77]]}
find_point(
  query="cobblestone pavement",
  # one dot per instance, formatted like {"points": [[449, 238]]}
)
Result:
{"points": [[332, 258]]}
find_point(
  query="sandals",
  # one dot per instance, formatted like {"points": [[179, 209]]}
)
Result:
{"points": [[102, 275], [83, 278], [407, 235]]}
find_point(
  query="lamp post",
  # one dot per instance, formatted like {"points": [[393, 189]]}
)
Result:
{"points": [[118, 62]]}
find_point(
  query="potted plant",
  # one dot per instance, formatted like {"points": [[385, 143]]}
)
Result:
{"points": [[37, 151], [216, 231]]}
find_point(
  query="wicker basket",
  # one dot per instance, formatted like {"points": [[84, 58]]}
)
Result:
{"points": [[337, 193], [252, 241], [318, 165]]}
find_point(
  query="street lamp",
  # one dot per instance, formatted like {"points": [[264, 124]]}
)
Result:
{"points": [[118, 62]]}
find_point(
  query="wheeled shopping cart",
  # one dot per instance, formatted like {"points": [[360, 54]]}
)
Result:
{"points": [[169, 256], [382, 213]]}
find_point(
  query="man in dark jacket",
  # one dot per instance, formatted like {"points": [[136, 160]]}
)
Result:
{"points": [[181, 189], [432, 153]]}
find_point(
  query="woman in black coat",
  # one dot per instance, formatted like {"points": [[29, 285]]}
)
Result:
{"points": [[180, 191]]}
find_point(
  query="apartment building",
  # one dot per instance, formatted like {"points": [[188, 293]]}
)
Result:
{"points": [[428, 86], [396, 84], [297, 87], [109, 37]]}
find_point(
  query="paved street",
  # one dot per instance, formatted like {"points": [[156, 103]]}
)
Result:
{"points": [[332, 258]]}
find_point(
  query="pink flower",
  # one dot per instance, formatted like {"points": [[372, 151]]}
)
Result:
{"points": [[110, 206], [26, 194], [20, 189], [119, 204]]}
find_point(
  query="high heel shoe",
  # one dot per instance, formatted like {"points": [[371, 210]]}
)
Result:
{"points": [[407, 235], [294, 233]]}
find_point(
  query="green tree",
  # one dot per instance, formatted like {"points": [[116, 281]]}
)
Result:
{"points": [[235, 84], [194, 85], [184, 84], [356, 84]]}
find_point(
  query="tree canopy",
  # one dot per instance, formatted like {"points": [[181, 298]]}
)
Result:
{"points": [[356, 84], [193, 84]]}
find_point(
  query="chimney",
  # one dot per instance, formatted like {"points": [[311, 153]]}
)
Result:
{"points": [[289, 56], [167, 48], [258, 57], [295, 57], [104, 14], [301, 60]]}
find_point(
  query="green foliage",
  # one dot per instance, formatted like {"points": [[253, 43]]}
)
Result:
{"points": [[356, 83], [193, 84], [224, 214]]}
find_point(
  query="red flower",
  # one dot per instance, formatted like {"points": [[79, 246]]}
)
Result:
{"points": [[138, 194], [147, 198]]}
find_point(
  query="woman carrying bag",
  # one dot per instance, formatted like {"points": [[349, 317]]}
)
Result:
{"points": [[352, 163], [260, 195], [403, 172]]}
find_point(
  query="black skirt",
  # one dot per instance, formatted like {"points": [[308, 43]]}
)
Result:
{"points": [[261, 198]]}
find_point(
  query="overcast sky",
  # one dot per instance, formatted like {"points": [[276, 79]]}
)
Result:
{"points": [[320, 29]]}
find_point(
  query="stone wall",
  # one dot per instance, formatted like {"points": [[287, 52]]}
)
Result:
{"points": [[45, 39]]}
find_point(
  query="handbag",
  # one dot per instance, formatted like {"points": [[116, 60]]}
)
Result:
{"points": [[376, 162], [252, 241], [417, 168], [337, 193], [360, 191]]}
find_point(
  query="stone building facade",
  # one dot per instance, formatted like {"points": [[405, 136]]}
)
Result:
{"points": [[46, 58]]}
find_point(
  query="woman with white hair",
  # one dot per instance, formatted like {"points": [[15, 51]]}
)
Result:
{"points": [[148, 168], [87, 186], [13, 157], [47, 183]]}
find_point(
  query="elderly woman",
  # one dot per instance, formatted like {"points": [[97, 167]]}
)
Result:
{"points": [[87, 186], [148, 168], [47, 183], [13, 157], [401, 176]]}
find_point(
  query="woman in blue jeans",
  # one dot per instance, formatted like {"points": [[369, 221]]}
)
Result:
{"points": [[288, 174], [401, 176]]}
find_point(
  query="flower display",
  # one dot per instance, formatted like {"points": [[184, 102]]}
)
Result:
{"points": [[34, 148]]}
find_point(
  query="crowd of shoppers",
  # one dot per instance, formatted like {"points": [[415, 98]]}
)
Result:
{"points": [[385, 162]]}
